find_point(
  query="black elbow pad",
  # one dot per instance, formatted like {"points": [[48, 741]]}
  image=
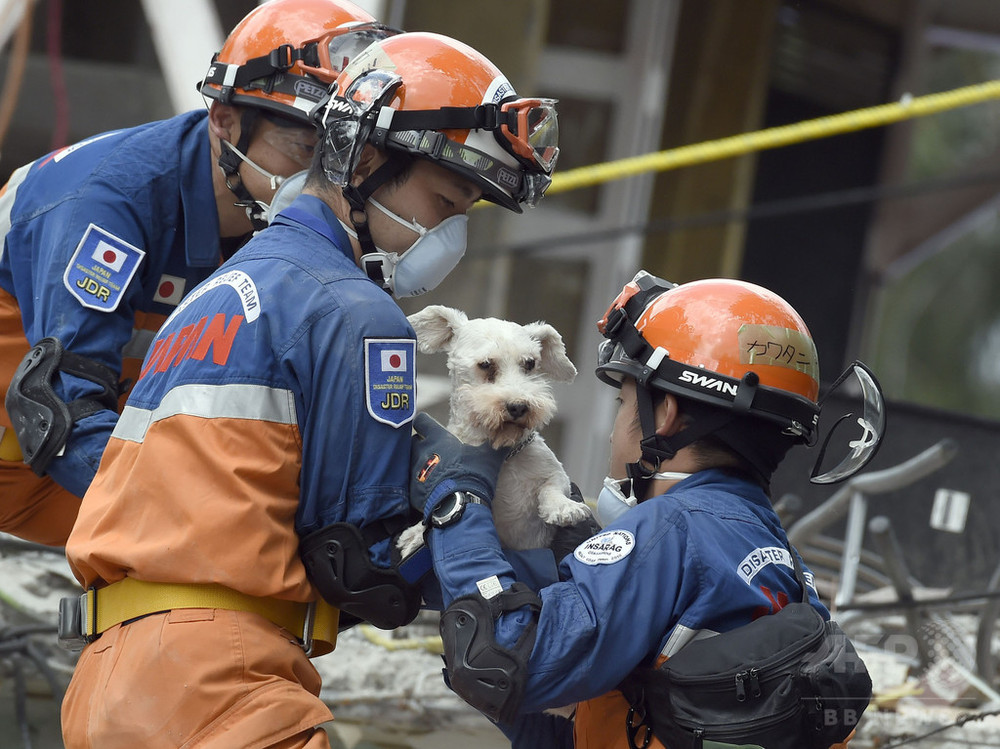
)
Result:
{"points": [[41, 419], [485, 674], [337, 563]]}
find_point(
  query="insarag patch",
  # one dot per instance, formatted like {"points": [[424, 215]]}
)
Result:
{"points": [[101, 269], [390, 379], [605, 548]]}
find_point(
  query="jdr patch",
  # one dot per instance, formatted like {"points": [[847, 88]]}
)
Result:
{"points": [[101, 269], [390, 385]]}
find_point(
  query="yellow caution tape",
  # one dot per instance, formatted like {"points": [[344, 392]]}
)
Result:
{"points": [[431, 644], [774, 137]]}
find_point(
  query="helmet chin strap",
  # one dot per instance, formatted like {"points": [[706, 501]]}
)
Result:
{"points": [[657, 447], [357, 198], [230, 159]]}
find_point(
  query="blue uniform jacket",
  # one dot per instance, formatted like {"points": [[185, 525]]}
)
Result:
{"points": [[708, 555], [98, 233], [302, 337]]}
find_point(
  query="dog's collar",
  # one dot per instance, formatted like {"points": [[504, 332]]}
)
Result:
{"points": [[521, 445]]}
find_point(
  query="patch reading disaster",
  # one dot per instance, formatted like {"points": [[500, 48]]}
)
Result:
{"points": [[390, 379], [761, 557], [101, 269], [779, 347], [606, 548]]}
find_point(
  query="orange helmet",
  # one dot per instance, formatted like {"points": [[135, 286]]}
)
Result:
{"points": [[739, 354], [282, 56], [436, 98], [707, 340]]}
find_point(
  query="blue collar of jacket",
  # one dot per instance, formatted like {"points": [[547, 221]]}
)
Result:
{"points": [[746, 488], [315, 214], [201, 226]]}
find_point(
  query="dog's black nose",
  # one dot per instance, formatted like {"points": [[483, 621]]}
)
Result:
{"points": [[517, 410]]}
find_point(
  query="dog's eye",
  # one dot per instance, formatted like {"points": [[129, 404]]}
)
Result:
{"points": [[529, 364], [489, 369]]}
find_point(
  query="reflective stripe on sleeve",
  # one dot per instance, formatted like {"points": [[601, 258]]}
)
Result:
{"points": [[253, 402]]}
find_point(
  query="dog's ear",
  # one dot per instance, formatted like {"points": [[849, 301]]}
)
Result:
{"points": [[436, 326], [554, 361]]}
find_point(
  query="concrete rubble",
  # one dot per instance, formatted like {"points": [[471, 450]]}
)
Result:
{"points": [[386, 688]]}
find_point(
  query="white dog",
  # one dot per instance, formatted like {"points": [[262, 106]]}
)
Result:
{"points": [[501, 374]]}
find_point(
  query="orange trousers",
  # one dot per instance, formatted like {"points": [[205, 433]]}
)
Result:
{"points": [[196, 679], [35, 509]]}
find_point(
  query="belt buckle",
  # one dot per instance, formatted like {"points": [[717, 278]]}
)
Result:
{"points": [[74, 613], [307, 628], [88, 614]]}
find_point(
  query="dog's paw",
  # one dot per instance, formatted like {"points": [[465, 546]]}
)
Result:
{"points": [[410, 540], [556, 508]]}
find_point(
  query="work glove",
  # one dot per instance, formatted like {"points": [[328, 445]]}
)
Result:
{"points": [[441, 464], [568, 537]]}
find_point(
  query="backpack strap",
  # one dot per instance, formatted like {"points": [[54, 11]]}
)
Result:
{"points": [[799, 574]]}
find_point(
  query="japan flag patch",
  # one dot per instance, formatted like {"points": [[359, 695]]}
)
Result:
{"points": [[109, 256], [393, 360], [101, 269], [169, 290], [390, 379]]}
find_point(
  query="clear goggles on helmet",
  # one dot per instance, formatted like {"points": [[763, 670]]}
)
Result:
{"points": [[522, 186], [327, 56], [348, 120], [360, 115], [529, 129], [866, 421], [323, 58], [290, 138]]}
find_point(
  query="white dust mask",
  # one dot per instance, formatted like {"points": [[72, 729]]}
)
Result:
{"points": [[612, 502], [288, 191], [431, 257]]}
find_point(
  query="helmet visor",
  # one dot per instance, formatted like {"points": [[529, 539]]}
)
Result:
{"points": [[612, 364], [529, 129], [347, 121], [866, 430], [335, 50]]}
